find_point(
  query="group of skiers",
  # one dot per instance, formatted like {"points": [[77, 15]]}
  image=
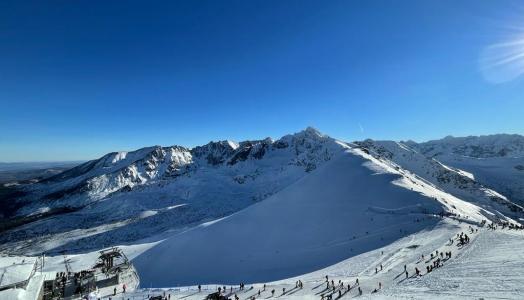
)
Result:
{"points": [[504, 225], [463, 238], [332, 289], [123, 289], [299, 284]]}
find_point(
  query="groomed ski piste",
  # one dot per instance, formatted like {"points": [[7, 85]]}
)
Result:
{"points": [[355, 217]]}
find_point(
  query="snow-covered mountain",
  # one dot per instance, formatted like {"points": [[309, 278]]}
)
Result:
{"points": [[153, 192], [351, 205], [455, 181], [275, 211], [484, 146], [496, 161], [124, 171], [126, 196]]}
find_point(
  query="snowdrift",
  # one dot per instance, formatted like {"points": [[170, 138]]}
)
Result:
{"points": [[350, 205]]}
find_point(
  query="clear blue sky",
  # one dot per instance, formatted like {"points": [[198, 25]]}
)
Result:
{"points": [[82, 78]]}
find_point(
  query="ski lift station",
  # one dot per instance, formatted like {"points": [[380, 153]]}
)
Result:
{"points": [[28, 278]]}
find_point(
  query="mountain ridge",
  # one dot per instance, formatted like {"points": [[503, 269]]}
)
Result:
{"points": [[125, 197]]}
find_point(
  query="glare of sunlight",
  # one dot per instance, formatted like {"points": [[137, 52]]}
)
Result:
{"points": [[503, 62]]}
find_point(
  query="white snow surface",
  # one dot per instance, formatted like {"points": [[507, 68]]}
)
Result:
{"points": [[351, 205]]}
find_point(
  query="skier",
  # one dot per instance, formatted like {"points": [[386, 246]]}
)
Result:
{"points": [[199, 288], [272, 292], [124, 288], [359, 291], [114, 291], [406, 274]]}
